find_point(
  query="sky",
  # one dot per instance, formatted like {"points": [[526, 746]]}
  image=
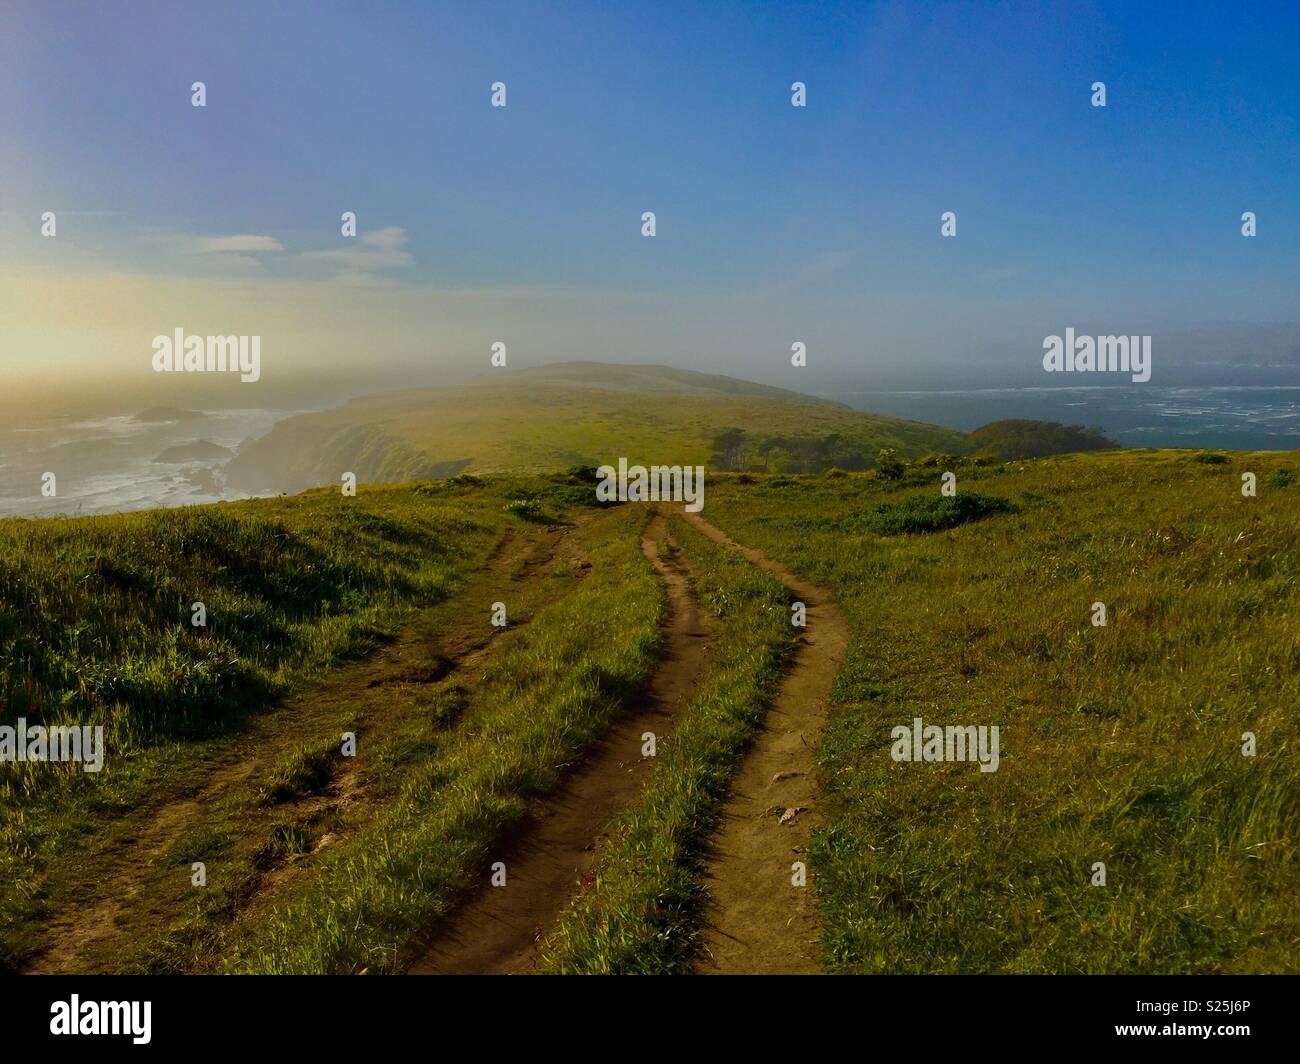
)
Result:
{"points": [[523, 224]]}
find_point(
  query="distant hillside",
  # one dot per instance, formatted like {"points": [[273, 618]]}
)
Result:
{"points": [[1037, 439], [195, 451], [575, 413]]}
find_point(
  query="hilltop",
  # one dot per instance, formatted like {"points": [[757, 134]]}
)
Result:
{"points": [[571, 414]]}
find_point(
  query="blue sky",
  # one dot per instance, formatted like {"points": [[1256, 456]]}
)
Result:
{"points": [[819, 223]]}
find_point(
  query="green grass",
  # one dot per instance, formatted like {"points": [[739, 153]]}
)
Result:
{"points": [[95, 629], [1120, 744], [286, 839], [926, 513], [642, 913], [554, 417], [198, 844], [554, 686], [95, 613], [302, 771], [402, 711]]}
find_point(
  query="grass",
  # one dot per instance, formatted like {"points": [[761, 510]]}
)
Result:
{"points": [[302, 771], [95, 613], [552, 689], [95, 616], [1120, 744], [554, 417], [926, 513], [642, 912], [198, 844]]}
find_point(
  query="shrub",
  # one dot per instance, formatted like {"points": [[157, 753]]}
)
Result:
{"points": [[529, 509], [889, 465], [929, 513]]}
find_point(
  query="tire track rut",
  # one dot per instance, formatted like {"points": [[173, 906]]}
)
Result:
{"points": [[757, 921], [499, 931], [98, 915]]}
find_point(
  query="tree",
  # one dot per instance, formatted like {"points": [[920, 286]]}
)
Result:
{"points": [[729, 447]]}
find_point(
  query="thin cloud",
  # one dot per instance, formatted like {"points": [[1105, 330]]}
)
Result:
{"points": [[379, 249], [240, 244]]}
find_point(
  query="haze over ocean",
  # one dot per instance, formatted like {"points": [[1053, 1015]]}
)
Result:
{"points": [[1262, 418]]}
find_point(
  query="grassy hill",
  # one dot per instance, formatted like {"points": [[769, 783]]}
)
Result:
{"points": [[1019, 438], [1122, 744], [572, 414]]}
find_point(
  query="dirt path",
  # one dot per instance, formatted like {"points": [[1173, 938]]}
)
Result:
{"points": [[498, 932], [114, 903], [758, 923]]}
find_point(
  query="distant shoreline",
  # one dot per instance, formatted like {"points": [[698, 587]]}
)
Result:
{"points": [[1232, 417]]}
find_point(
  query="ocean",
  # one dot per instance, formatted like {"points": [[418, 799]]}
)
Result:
{"points": [[110, 464], [1250, 418]]}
